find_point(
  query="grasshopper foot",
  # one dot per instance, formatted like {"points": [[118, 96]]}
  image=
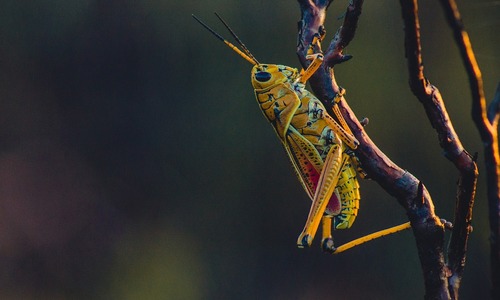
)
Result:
{"points": [[448, 225], [304, 241], [327, 245]]}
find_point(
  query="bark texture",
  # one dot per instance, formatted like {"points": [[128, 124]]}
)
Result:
{"points": [[442, 268]]}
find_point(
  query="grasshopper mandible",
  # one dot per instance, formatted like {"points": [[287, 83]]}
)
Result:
{"points": [[320, 149]]}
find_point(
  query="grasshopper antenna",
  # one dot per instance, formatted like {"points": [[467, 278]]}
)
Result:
{"points": [[251, 60], [237, 39]]}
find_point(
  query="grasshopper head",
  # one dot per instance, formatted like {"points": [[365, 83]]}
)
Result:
{"points": [[264, 76]]}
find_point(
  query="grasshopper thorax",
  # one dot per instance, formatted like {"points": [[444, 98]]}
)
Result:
{"points": [[265, 75]]}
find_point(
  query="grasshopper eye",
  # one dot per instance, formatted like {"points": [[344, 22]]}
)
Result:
{"points": [[262, 76]]}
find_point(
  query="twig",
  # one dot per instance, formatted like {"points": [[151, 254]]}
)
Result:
{"points": [[431, 99], [487, 123], [334, 55]]}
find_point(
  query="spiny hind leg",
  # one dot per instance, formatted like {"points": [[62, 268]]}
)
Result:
{"points": [[326, 186]]}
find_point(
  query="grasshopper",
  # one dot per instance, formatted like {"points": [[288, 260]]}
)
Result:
{"points": [[319, 147]]}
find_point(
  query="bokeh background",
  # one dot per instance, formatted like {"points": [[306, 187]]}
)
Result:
{"points": [[135, 163]]}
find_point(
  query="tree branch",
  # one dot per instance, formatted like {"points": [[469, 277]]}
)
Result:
{"points": [[492, 161], [431, 99], [487, 123], [310, 24], [334, 54], [494, 109], [406, 188]]}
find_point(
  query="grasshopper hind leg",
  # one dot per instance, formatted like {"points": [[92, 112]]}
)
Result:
{"points": [[327, 240]]}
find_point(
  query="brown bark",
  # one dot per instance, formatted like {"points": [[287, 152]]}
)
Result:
{"points": [[486, 121], [441, 280]]}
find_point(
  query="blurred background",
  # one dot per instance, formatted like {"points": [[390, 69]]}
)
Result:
{"points": [[135, 163]]}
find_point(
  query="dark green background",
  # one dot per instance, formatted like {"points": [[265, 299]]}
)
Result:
{"points": [[135, 163]]}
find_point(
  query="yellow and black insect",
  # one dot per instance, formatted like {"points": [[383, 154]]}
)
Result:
{"points": [[320, 149]]}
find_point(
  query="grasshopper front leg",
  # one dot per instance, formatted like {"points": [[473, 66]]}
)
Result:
{"points": [[326, 185], [316, 57], [346, 133]]}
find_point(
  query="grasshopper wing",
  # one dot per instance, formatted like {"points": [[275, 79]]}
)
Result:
{"points": [[305, 159]]}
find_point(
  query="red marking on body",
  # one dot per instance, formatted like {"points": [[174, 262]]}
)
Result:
{"points": [[333, 207]]}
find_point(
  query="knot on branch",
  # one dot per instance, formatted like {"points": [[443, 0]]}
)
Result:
{"points": [[420, 87]]}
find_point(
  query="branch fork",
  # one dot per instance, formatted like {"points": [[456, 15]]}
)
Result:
{"points": [[441, 279]]}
